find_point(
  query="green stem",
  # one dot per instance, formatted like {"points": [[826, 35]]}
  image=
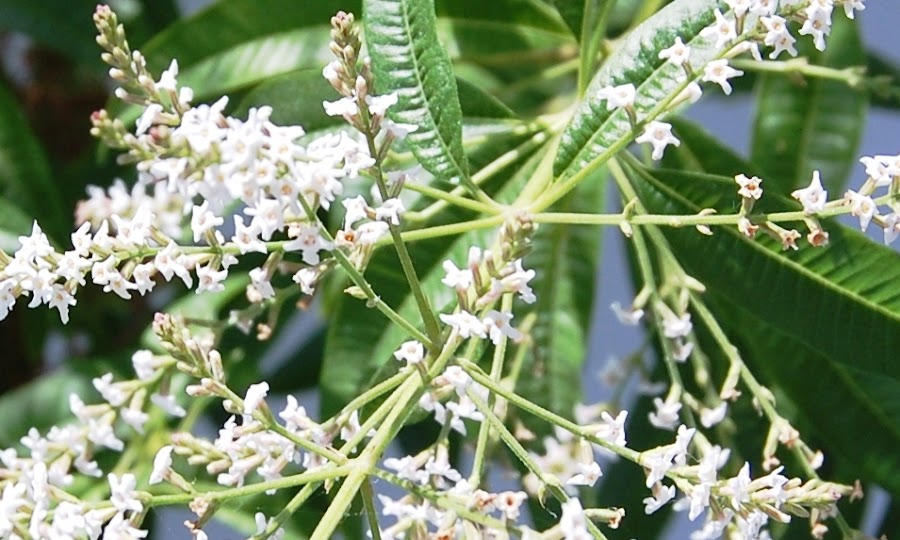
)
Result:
{"points": [[484, 431], [645, 267], [319, 475], [368, 497], [481, 378]]}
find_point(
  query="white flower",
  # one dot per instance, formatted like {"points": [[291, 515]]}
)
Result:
{"points": [[861, 206], [812, 197], [850, 5], [778, 36], [255, 396], [345, 107], [162, 464], [465, 323], [588, 474], [666, 414], [618, 97], [455, 277], [262, 524], [749, 187], [738, 487], [658, 134], [509, 502], [309, 241], [202, 220], [718, 71], [247, 237], [306, 278], [711, 417], [356, 209], [817, 24], [412, 352], [390, 211], [573, 523], [629, 317], [723, 30], [120, 528], [123, 493], [378, 105], [167, 403], [891, 227], [167, 81], [148, 118], [661, 495], [675, 326], [612, 430], [497, 326], [369, 233], [209, 279], [677, 54], [114, 393], [517, 281], [740, 7]]}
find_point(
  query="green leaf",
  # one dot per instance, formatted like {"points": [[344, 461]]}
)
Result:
{"points": [[700, 151], [798, 291], [283, 92], [565, 260], [26, 183], [408, 59], [525, 16], [62, 25], [225, 25], [594, 133], [784, 362], [811, 124], [860, 405], [572, 11]]}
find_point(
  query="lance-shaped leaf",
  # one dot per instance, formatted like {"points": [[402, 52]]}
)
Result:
{"points": [[785, 363], [595, 133], [26, 185], [832, 299], [409, 60], [803, 125], [860, 405]]}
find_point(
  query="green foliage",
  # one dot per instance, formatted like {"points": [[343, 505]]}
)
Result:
{"points": [[594, 132], [408, 58], [808, 124]]}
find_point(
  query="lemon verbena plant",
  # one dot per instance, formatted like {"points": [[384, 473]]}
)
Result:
{"points": [[431, 177]]}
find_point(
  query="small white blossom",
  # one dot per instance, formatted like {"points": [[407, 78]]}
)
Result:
{"points": [[749, 187], [123, 493], [498, 325], [812, 197], [411, 352], [723, 30], [630, 317], [675, 326], [618, 97], [255, 396], [465, 323], [666, 414], [861, 206], [711, 417], [661, 495], [162, 464], [677, 54], [659, 135], [718, 71]]}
